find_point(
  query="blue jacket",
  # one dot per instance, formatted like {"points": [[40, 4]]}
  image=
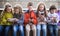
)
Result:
{"points": [[20, 17], [21, 20]]}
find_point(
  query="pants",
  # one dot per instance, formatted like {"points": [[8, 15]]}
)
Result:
{"points": [[16, 28], [28, 30], [53, 29], [1, 29], [42, 27], [7, 29]]}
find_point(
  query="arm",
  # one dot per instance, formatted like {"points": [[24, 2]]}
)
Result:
{"points": [[26, 18], [21, 20], [34, 18], [57, 19], [3, 19]]}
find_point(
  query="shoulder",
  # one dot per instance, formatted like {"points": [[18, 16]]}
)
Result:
{"points": [[55, 14], [26, 11]]}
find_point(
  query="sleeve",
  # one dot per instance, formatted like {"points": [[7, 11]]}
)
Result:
{"points": [[57, 18], [4, 20], [35, 19], [48, 18], [21, 21], [26, 20]]}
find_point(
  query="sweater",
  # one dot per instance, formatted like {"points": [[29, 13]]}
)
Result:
{"points": [[4, 19]]}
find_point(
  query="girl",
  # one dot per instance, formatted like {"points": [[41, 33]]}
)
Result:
{"points": [[6, 15], [53, 19], [19, 20], [41, 16], [30, 20]]}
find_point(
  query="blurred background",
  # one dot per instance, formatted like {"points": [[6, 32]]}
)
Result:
{"points": [[23, 3]]}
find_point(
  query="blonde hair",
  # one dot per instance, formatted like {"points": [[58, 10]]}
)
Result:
{"points": [[4, 11], [18, 7]]}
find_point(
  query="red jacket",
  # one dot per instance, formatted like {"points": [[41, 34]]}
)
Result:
{"points": [[28, 15]]}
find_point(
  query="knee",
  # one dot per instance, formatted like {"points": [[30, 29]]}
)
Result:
{"points": [[1, 27], [44, 27], [7, 28], [34, 28], [27, 27], [21, 28], [38, 27], [56, 29], [51, 30], [15, 28]]}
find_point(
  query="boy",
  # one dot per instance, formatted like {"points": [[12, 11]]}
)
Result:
{"points": [[53, 19], [30, 20]]}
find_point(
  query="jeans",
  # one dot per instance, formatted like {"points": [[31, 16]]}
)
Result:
{"points": [[53, 29], [7, 29], [42, 27], [16, 28], [1, 29]]}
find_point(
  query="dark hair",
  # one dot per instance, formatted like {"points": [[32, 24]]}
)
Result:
{"points": [[39, 10], [52, 7]]}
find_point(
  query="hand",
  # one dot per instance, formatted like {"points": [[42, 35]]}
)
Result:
{"points": [[31, 25], [29, 20], [16, 19], [32, 20], [53, 20], [10, 19]]}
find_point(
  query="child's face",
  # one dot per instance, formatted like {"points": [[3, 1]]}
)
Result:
{"points": [[9, 9], [16, 10], [30, 7], [53, 11], [41, 7]]}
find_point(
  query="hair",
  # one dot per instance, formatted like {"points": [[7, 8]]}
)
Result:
{"points": [[52, 7], [39, 9], [4, 11], [20, 9], [30, 4]]}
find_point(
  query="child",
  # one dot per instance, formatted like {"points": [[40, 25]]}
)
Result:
{"points": [[6, 15], [19, 20], [41, 16], [53, 19], [30, 20]]}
